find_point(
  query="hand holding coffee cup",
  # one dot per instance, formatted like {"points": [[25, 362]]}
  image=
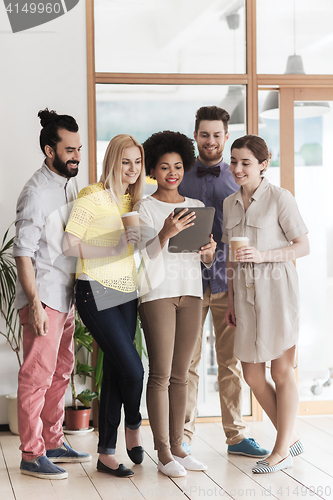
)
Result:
{"points": [[236, 243], [131, 222]]}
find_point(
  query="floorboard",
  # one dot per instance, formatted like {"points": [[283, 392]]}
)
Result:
{"points": [[228, 476]]}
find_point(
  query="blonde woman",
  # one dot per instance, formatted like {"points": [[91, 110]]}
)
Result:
{"points": [[106, 295]]}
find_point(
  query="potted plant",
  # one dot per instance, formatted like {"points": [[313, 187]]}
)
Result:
{"points": [[77, 416], [12, 330], [10, 315]]}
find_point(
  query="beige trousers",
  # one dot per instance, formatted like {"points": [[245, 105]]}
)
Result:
{"points": [[171, 327], [229, 373]]}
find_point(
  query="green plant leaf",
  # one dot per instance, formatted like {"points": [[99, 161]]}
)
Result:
{"points": [[13, 332], [83, 370], [99, 371], [84, 339], [138, 339], [86, 397]]}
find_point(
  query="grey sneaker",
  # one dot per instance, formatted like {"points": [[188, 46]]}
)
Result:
{"points": [[66, 454], [42, 467]]}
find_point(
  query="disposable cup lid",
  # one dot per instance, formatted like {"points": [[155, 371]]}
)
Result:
{"points": [[129, 213], [239, 238]]}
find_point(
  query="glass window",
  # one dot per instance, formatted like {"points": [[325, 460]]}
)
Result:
{"points": [[269, 130], [313, 181], [294, 37], [170, 36], [141, 110]]}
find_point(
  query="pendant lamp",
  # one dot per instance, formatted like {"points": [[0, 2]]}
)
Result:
{"points": [[304, 109], [233, 102]]}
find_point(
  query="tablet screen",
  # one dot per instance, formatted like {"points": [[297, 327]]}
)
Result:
{"points": [[194, 237]]}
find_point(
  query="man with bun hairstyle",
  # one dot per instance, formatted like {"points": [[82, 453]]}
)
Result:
{"points": [[211, 181], [44, 297]]}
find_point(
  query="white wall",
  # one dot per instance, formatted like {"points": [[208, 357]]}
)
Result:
{"points": [[41, 67]]}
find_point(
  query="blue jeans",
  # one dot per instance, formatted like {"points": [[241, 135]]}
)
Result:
{"points": [[113, 329]]}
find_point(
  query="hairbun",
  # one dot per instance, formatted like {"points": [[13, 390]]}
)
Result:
{"points": [[47, 117]]}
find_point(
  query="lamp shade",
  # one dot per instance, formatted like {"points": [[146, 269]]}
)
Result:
{"points": [[234, 96], [304, 109], [237, 118]]}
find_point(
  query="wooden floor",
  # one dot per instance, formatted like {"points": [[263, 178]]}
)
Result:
{"points": [[227, 475]]}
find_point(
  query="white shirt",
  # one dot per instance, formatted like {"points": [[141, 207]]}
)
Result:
{"points": [[171, 274], [42, 211]]}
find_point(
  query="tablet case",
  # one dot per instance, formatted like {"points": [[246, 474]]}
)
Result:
{"points": [[194, 237]]}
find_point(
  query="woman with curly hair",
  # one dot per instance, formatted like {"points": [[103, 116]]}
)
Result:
{"points": [[171, 312]]}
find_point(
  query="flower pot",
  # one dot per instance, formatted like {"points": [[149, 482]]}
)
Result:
{"points": [[77, 419], [12, 412]]}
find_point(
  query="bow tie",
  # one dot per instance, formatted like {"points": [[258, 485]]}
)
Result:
{"points": [[201, 171]]}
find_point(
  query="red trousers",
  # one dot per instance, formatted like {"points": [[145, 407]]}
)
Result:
{"points": [[43, 380]]}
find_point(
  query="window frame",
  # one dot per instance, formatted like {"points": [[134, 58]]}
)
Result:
{"points": [[291, 88]]}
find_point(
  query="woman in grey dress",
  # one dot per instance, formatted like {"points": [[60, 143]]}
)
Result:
{"points": [[263, 291]]}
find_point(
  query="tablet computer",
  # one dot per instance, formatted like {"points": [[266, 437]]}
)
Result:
{"points": [[194, 237]]}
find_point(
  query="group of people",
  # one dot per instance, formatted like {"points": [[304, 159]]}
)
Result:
{"points": [[254, 301]]}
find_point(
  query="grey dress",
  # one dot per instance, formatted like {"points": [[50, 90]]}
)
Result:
{"points": [[266, 295]]}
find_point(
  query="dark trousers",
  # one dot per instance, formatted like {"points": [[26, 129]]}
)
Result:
{"points": [[113, 328]]}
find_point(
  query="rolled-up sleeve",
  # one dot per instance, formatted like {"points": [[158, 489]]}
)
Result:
{"points": [[83, 213], [30, 221], [290, 218]]}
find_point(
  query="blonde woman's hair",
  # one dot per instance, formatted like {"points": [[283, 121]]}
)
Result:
{"points": [[112, 163]]}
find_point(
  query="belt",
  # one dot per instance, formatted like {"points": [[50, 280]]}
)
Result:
{"points": [[248, 269]]}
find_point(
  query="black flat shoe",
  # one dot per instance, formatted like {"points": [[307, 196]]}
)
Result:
{"points": [[121, 471], [136, 454]]}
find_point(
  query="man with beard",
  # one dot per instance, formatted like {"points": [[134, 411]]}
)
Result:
{"points": [[44, 297], [211, 181]]}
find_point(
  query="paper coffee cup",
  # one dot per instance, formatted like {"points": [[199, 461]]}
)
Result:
{"points": [[131, 220], [235, 243]]}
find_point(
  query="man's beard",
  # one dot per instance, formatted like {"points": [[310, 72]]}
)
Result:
{"points": [[215, 157], [64, 168]]}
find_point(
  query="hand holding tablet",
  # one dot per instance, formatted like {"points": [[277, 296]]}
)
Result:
{"points": [[197, 235]]}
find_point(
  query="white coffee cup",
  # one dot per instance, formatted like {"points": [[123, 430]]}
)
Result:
{"points": [[237, 242], [131, 220]]}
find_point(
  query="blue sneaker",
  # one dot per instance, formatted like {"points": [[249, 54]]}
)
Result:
{"points": [[66, 454], [249, 448], [187, 448], [42, 467]]}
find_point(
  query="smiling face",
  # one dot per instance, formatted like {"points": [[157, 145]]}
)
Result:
{"points": [[211, 138], [245, 168], [131, 166], [169, 171], [65, 158]]}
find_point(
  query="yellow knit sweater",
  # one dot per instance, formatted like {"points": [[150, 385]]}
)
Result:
{"points": [[96, 220]]}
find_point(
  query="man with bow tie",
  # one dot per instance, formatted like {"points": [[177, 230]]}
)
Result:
{"points": [[211, 181]]}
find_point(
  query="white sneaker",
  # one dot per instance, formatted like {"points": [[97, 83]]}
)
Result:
{"points": [[171, 469], [190, 463]]}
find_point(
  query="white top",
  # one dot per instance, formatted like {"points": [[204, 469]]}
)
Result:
{"points": [[170, 274]]}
